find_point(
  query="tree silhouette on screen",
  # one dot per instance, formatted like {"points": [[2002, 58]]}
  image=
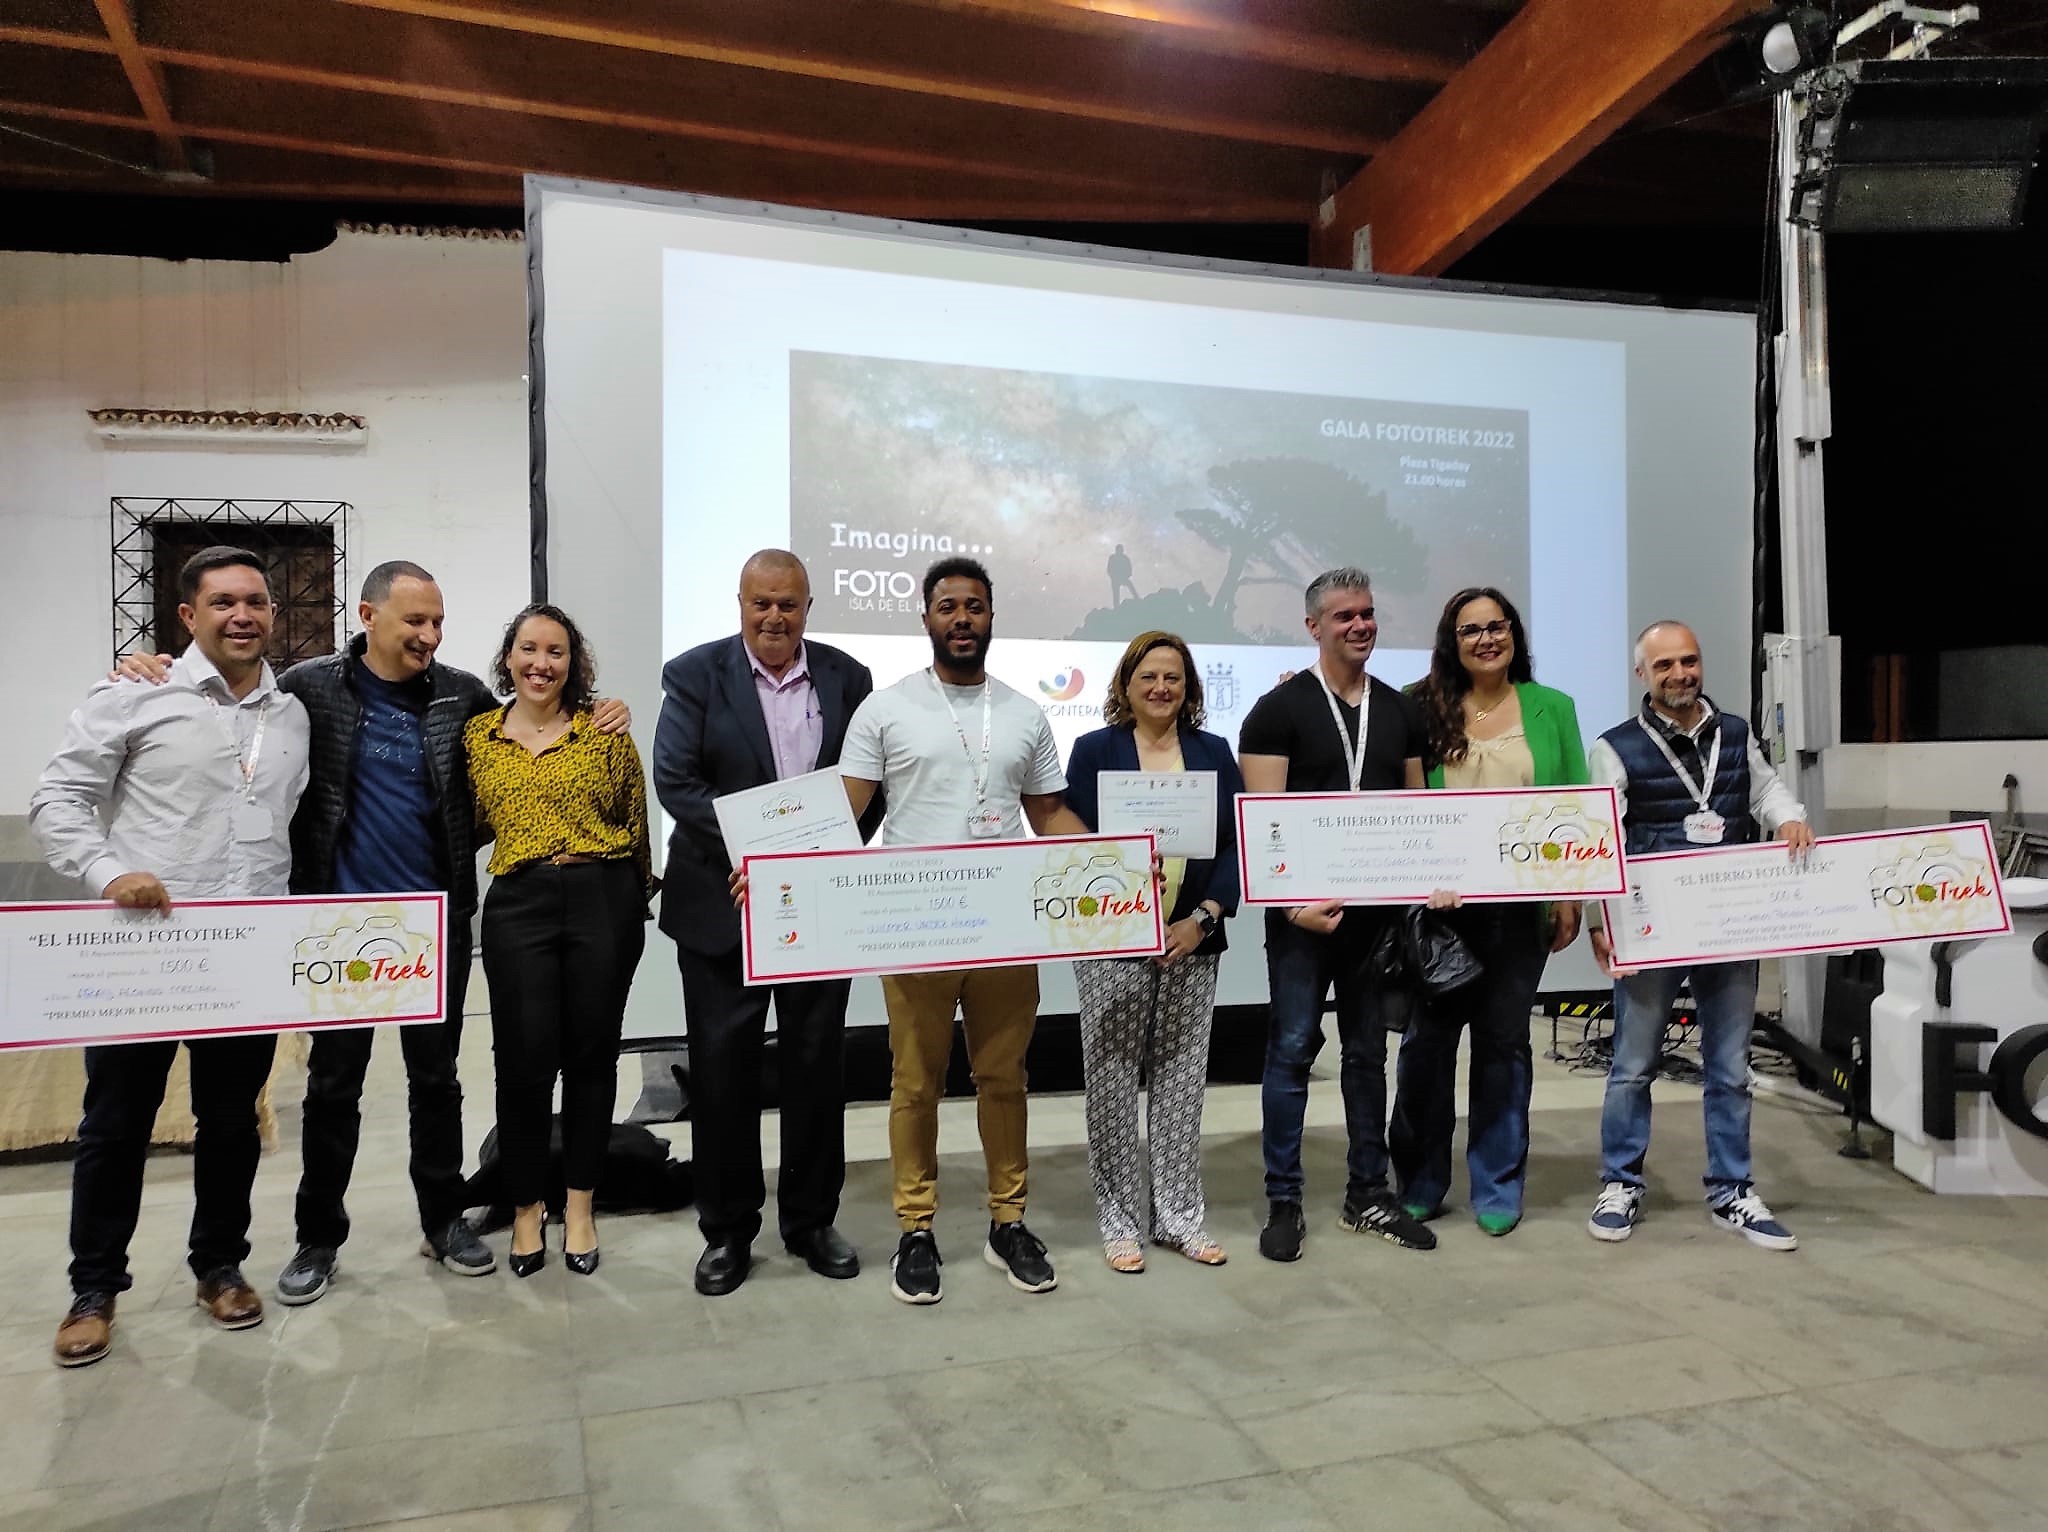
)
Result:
{"points": [[1297, 517]]}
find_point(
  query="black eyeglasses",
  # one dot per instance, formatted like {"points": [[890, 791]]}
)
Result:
{"points": [[1471, 630]]}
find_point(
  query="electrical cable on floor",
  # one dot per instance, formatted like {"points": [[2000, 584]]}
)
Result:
{"points": [[1677, 1053]]}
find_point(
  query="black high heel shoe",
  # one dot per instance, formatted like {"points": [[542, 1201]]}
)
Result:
{"points": [[532, 1261], [582, 1262]]}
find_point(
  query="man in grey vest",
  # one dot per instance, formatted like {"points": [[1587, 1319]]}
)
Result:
{"points": [[1687, 775]]}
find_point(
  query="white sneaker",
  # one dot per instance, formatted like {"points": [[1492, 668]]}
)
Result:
{"points": [[1617, 1212], [1746, 1214]]}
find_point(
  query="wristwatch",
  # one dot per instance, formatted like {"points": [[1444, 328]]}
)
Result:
{"points": [[1207, 919]]}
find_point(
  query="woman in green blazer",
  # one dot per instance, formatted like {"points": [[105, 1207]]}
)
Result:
{"points": [[1490, 725]]}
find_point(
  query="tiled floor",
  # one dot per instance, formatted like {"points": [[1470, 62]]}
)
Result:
{"points": [[1891, 1374]]}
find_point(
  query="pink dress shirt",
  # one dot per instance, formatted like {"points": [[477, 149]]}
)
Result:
{"points": [[789, 706]]}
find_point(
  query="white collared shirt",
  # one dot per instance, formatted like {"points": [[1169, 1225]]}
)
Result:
{"points": [[148, 778]]}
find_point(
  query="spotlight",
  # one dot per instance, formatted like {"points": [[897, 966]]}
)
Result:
{"points": [[1796, 39]]}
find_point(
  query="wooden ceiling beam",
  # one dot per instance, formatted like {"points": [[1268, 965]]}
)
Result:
{"points": [[892, 45], [331, 46], [895, 195], [145, 79], [1427, 43], [1554, 82]]}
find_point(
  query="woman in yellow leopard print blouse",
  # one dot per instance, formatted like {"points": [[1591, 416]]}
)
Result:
{"points": [[564, 921]]}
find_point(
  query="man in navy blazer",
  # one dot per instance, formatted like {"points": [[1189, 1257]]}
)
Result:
{"points": [[736, 713]]}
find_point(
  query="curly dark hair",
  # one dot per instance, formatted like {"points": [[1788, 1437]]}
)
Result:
{"points": [[581, 685], [1116, 705], [1442, 691]]}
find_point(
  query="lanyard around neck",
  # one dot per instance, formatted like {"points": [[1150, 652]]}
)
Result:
{"points": [[979, 768], [246, 765], [1702, 792], [1354, 758]]}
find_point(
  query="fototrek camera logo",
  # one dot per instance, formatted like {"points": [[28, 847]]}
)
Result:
{"points": [[363, 963], [1556, 844], [782, 807], [1932, 886], [1100, 901]]}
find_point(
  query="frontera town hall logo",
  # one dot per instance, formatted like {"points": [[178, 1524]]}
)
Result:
{"points": [[1065, 685]]}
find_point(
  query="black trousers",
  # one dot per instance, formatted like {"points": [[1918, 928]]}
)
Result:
{"points": [[333, 1118], [727, 1025], [560, 946], [124, 1086]]}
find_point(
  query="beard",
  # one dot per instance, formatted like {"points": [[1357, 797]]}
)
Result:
{"points": [[943, 656]]}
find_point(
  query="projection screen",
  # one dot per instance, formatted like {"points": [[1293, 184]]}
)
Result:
{"points": [[1127, 441]]}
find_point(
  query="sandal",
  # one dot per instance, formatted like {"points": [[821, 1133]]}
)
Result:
{"points": [[1201, 1249], [1123, 1255]]}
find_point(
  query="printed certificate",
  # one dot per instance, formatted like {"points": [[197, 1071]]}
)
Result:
{"points": [[1721, 903], [979, 904], [806, 813], [1399, 847], [94, 973], [1176, 808]]}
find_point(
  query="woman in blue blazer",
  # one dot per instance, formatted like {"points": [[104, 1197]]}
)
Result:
{"points": [[1155, 1013]]}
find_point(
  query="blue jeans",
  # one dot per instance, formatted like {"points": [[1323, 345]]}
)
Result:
{"points": [[1301, 968], [1725, 994], [1509, 940]]}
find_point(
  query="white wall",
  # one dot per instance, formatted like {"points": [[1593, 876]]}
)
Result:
{"points": [[426, 338], [1874, 785]]}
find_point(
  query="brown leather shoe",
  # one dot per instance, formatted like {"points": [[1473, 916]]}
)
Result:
{"points": [[87, 1331], [229, 1300]]}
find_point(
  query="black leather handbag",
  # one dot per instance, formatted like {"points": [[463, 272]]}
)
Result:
{"points": [[1417, 958]]}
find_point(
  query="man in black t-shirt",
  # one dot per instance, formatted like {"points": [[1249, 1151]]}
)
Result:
{"points": [[1305, 736]]}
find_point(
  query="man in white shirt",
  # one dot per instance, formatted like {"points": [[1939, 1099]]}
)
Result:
{"points": [[1687, 775], [963, 758], [183, 791]]}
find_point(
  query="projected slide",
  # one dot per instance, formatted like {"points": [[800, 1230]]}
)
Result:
{"points": [[1128, 505], [1127, 441]]}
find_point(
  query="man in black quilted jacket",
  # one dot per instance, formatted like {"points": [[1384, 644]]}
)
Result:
{"points": [[388, 811]]}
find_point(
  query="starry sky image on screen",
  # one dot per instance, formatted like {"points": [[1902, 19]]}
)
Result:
{"points": [[1103, 506]]}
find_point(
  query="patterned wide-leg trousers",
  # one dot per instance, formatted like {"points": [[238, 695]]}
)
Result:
{"points": [[1136, 1014]]}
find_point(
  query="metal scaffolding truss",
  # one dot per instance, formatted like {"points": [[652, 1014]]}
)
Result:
{"points": [[312, 610]]}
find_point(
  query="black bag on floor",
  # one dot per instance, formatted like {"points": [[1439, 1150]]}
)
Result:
{"points": [[639, 1177]]}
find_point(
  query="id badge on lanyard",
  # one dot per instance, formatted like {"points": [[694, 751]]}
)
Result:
{"points": [[983, 822], [248, 820], [1703, 827]]}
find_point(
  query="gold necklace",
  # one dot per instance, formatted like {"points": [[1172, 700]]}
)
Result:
{"points": [[1479, 713]]}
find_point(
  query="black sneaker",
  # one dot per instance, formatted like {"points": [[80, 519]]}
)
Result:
{"points": [[457, 1248], [1020, 1255], [1285, 1229], [1384, 1216], [914, 1269], [306, 1275]]}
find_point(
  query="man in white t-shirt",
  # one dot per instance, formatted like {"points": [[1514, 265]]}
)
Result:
{"points": [[963, 757]]}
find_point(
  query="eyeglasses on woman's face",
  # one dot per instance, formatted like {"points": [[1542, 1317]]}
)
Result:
{"points": [[1469, 631]]}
